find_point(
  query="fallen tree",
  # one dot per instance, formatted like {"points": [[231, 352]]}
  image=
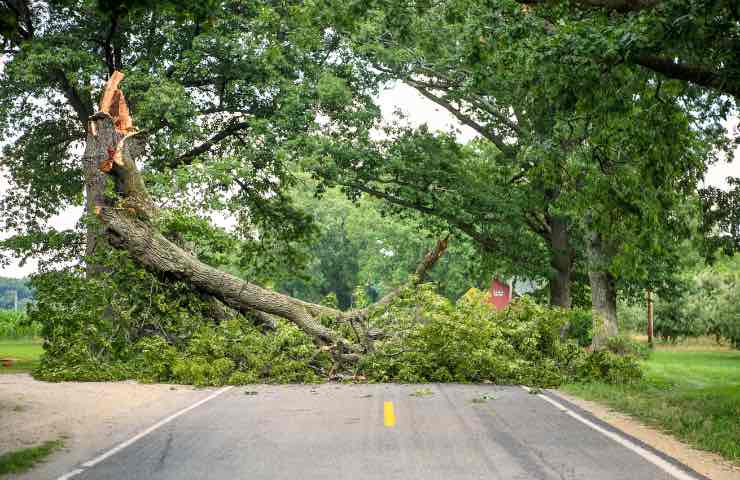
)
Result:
{"points": [[156, 323], [128, 222]]}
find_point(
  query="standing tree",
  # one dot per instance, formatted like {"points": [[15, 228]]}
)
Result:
{"points": [[582, 151], [219, 92]]}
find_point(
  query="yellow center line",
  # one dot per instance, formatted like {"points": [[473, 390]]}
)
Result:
{"points": [[389, 416]]}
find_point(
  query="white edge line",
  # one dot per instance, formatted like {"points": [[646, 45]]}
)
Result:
{"points": [[143, 433], [71, 474], [644, 453]]}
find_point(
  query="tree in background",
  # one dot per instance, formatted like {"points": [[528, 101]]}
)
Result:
{"points": [[572, 150], [12, 290], [357, 246]]}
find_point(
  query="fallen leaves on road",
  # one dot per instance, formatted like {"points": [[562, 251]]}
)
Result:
{"points": [[422, 392], [484, 398]]}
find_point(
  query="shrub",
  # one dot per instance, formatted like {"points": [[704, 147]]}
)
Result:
{"points": [[622, 345], [580, 326], [14, 325], [470, 342]]}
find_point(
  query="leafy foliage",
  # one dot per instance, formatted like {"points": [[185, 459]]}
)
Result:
{"points": [[580, 326], [438, 341], [155, 330], [17, 325], [158, 334]]}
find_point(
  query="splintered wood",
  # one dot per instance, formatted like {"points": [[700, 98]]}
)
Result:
{"points": [[114, 104]]}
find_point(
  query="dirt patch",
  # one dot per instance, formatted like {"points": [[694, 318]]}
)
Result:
{"points": [[708, 464], [89, 416]]}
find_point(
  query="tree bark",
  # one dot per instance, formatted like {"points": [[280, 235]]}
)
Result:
{"points": [[96, 153], [603, 292], [561, 262]]}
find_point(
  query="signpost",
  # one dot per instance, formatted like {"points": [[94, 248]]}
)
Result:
{"points": [[650, 317]]}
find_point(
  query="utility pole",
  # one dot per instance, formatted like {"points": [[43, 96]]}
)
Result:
{"points": [[650, 317]]}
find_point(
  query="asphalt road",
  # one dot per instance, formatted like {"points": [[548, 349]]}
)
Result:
{"points": [[375, 432]]}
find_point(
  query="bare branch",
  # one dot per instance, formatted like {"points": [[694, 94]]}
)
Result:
{"points": [[466, 120], [228, 131]]}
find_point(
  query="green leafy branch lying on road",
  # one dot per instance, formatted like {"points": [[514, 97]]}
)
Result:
{"points": [[23, 459], [694, 395], [165, 335]]}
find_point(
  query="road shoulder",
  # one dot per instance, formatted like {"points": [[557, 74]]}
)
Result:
{"points": [[708, 464], [89, 416]]}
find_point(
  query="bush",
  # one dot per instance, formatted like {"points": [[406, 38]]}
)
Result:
{"points": [[14, 325], [580, 326]]}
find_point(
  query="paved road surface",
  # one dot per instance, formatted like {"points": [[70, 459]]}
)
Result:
{"points": [[375, 432]]}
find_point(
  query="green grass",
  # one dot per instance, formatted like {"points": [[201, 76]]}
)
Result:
{"points": [[692, 394], [26, 352], [21, 460]]}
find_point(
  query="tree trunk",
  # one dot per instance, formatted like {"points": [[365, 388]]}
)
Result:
{"points": [[561, 262], [95, 184], [603, 292], [96, 154]]}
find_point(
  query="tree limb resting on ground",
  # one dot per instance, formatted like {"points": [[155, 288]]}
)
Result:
{"points": [[127, 221]]}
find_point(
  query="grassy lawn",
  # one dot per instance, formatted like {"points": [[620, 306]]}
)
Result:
{"points": [[692, 393], [26, 352], [21, 460]]}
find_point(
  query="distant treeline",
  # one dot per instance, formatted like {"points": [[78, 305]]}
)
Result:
{"points": [[8, 287]]}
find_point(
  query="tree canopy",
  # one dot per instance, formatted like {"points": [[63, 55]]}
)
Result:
{"points": [[595, 123]]}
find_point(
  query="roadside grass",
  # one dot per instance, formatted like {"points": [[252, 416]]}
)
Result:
{"points": [[23, 459], [25, 352], [690, 393]]}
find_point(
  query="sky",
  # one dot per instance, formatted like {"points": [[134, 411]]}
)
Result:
{"points": [[417, 110]]}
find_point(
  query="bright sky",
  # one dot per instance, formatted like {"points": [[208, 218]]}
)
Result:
{"points": [[418, 110]]}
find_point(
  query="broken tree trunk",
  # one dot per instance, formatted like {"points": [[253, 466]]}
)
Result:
{"points": [[127, 222]]}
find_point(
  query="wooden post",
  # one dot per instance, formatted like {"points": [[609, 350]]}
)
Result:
{"points": [[650, 317]]}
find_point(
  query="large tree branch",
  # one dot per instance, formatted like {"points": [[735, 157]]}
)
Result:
{"points": [[188, 157], [486, 132], [702, 75]]}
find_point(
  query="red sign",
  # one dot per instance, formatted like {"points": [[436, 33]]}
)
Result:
{"points": [[500, 295]]}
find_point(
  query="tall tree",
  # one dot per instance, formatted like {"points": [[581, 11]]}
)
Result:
{"points": [[612, 148], [692, 41], [219, 90], [129, 221]]}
